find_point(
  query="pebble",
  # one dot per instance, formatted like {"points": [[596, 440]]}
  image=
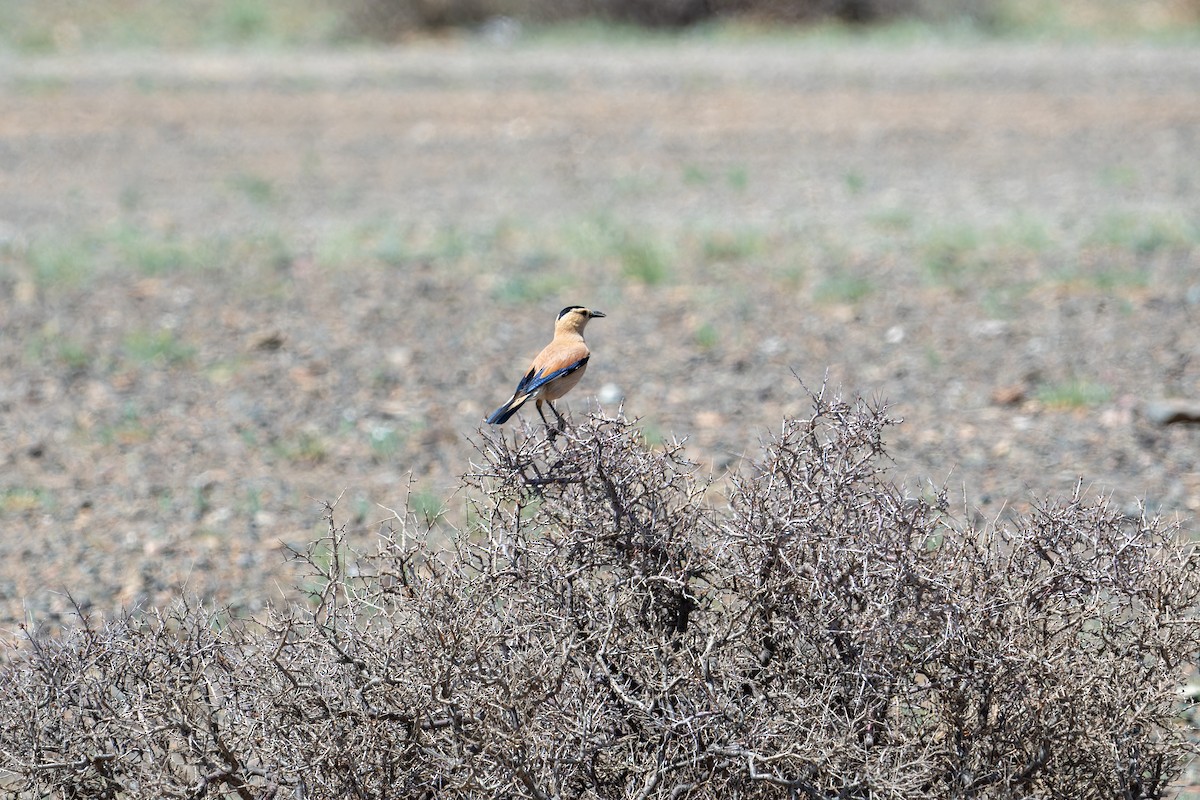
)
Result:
{"points": [[1169, 412], [610, 394]]}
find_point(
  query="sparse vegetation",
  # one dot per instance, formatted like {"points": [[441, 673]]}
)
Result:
{"points": [[303, 447], [736, 245], [65, 26], [385, 442], [949, 256], [843, 286], [129, 428], [1073, 394], [202, 333], [896, 219], [161, 348], [535, 282], [60, 264], [707, 337], [254, 188], [1146, 234], [19, 499], [643, 259]]}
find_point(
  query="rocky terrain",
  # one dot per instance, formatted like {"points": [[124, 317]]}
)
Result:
{"points": [[234, 286]]}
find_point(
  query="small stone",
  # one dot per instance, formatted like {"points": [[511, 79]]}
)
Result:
{"points": [[266, 340], [610, 394], [1011, 395], [399, 357], [1170, 412], [989, 328], [771, 346]]}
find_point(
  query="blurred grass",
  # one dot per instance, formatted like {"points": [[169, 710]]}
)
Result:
{"points": [[1074, 393], [48, 26], [997, 264], [161, 347]]}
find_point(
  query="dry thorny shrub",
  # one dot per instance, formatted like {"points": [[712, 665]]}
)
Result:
{"points": [[602, 629]]}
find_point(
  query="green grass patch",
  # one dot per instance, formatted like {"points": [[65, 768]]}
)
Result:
{"points": [[67, 262], [1005, 300], [242, 21], [1073, 394], [160, 348], [892, 219], [255, 188], [530, 286], [948, 256], [391, 246], [642, 256], [643, 259], [1023, 234], [303, 447], [1104, 277], [51, 346], [344, 248], [386, 442], [72, 354], [21, 499], [1090, 20], [969, 258], [153, 254], [707, 337], [732, 245], [450, 244], [738, 178], [128, 429], [842, 286], [47, 26], [74, 260], [855, 182], [696, 176], [1145, 234], [1118, 176], [386, 242], [38, 86]]}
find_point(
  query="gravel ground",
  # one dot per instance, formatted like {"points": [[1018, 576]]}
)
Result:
{"points": [[234, 286]]}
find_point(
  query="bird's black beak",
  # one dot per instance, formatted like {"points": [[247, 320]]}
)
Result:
{"points": [[597, 314]]}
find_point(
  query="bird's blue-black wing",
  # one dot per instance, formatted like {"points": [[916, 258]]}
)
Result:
{"points": [[535, 380]]}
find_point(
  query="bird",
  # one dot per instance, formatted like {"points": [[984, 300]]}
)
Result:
{"points": [[555, 370]]}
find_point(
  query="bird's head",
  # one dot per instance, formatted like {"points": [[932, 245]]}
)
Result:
{"points": [[574, 318]]}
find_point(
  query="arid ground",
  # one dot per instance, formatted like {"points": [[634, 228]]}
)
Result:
{"points": [[235, 286]]}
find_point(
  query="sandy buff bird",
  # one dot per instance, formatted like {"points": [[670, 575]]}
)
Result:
{"points": [[556, 369]]}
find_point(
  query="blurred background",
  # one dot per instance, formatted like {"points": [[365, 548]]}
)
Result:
{"points": [[65, 25], [256, 255]]}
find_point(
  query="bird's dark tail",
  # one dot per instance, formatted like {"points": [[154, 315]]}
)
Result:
{"points": [[501, 414]]}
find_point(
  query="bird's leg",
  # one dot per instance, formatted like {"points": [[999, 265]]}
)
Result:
{"points": [[562, 423], [541, 414]]}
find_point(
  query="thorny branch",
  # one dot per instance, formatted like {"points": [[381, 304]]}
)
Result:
{"points": [[605, 631]]}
